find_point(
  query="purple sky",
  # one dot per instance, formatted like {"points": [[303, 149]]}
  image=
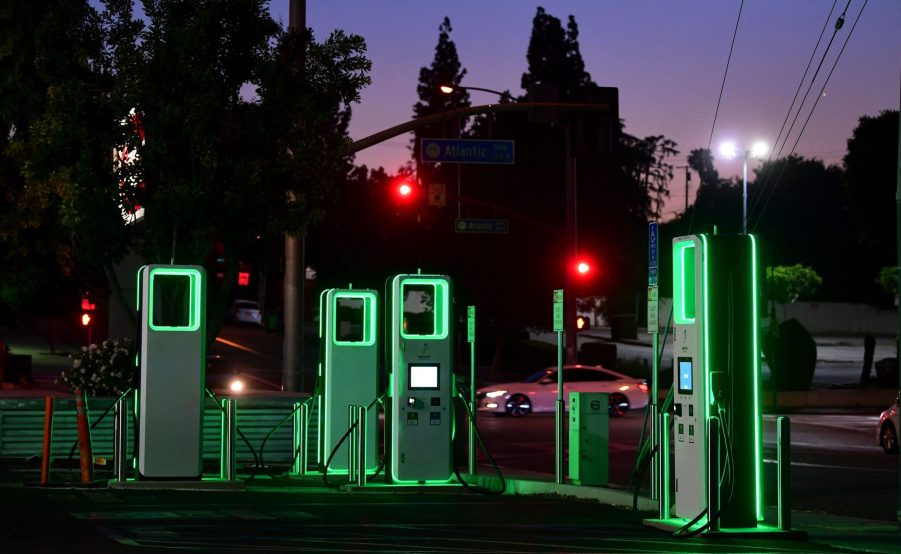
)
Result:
{"points": [[666, 57]]}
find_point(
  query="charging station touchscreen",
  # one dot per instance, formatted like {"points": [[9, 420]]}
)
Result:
{"points": [[685, 379], [424, 377]]}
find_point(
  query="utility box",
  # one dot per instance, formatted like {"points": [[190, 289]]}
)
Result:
{"points": [[589, 437]]}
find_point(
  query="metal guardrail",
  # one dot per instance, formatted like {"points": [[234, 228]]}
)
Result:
{"points": [[22, 428]]}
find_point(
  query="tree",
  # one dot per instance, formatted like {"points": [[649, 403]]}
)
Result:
{"points": [[556, 69], [785, 284], [869, 183], [215, 165]]}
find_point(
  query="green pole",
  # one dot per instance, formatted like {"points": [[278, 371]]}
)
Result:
{"points": [[471, 336], [559, 412]]}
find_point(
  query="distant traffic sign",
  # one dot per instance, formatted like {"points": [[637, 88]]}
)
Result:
{"points": [[496, 226], [467, 151]]}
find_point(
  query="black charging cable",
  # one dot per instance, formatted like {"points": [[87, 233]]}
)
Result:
{"points": [[343, 438], [461, 394]]}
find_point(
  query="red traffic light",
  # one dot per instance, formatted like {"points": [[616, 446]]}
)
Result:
{"points": [[404, 189], [583, 267], [85, 319]]}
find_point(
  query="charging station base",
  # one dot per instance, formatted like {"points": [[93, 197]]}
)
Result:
{"points": [[762, 530], [178, 485]]}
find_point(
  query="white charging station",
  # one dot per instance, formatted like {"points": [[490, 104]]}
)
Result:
{"points": [[172, 352], [348, 372], [419, 360]]}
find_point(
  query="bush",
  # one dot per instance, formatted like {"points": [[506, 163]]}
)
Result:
{"points": [[792, 356], [105, 370]]}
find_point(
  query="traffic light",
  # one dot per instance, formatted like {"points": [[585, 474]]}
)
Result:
{"points": [[87, 311], [404, 190], [582, 323], [583, 268], [85, 319]]}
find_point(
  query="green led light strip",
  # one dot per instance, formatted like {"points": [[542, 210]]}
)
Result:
{"points": [[706, 346], [369, 317], [194, 298], [755, 365], [442, 298]]}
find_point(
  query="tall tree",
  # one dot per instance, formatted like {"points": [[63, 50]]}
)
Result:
{"points": [[556, 69], [869, 182]]}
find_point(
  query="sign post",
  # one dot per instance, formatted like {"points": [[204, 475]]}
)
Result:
{"points": [[471, 338], [657, 432], [559, 411]]}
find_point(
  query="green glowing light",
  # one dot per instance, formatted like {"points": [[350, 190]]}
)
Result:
{"points": [[705, 254], [755, 353], [322, 296], [369, 318], [440, 307], [684, 282], [193, 301]]}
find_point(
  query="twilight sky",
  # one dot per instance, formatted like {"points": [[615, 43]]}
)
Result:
{"points": [[666, 57]]}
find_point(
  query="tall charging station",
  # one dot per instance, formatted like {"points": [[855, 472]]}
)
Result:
{"points": [[348, 372], [171, 354], [716, 404], [419, 360]]}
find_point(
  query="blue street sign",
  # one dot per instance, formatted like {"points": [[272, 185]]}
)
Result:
{"points": [[482, 226], [466, 151], [652, 253]]}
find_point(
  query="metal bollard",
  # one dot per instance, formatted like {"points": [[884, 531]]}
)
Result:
{"points": [[352, 443], [361, 446], [120, 441], [300, 436], [713, 473], [227, 465], [783, 460], [46, 458], [663, 479]]}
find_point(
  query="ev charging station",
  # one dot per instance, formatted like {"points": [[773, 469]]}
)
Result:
{"points": [[172, 353], [348, 372], [716, 403], [420, 382]]}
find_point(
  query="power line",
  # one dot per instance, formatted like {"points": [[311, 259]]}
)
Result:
{"points": [[820, 95], [726, 72], [838, 25]]}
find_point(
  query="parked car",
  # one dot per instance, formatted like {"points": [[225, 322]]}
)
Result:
{"points": [[245, 312], [887, 432], [538, 392]]}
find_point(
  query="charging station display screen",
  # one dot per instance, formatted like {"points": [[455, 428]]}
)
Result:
{"points": [[349, 320], [423, 376], [419, 309], [685, 376]]}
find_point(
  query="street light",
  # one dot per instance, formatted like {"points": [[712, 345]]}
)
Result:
{"points": [[448, 89], [729, 150]]}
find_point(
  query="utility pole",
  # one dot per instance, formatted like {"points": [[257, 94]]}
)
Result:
{"points": [[687, 169], [295, 270]]}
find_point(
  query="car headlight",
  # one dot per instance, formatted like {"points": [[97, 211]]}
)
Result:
{"points": [[495, 393], [236, 385]]}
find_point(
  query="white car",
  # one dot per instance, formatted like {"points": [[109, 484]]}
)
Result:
{"points": [[538, 392], [887, 432], [245, 312]]}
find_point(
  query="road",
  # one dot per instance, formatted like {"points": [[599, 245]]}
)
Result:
{"points": [[836, 466]]}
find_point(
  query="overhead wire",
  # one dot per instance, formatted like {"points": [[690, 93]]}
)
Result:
{"points": [[725, 73], [839, 23], [809, 115]]}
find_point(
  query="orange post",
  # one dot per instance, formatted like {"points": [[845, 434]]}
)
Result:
{"points": [[48, 439], [85, 455]]}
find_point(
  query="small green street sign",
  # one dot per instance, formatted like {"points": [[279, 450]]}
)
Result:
{"points": [[558, 310], [471, 323], [653, 309]]}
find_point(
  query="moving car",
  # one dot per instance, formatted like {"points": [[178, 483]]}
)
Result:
{"points": [[245, 312], [887, 432], [538, 392]]}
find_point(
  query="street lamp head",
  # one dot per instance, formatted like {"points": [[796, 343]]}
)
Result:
{"points": [[759, 149], [728, 150], [446, 89]]}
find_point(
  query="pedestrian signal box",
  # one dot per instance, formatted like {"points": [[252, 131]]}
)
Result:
{"points": [[419, 360], [348, 372], [172, 351]]}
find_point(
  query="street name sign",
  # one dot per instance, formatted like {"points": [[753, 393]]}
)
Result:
{"points": [[466, 151], [558, 310], [495, 226]]}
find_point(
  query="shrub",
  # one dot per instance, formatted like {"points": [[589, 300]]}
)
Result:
{"points": [[104, 370]]}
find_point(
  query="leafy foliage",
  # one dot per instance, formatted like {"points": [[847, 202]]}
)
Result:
{"points": [[785, 284], [104, 370], [888, 279]]}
